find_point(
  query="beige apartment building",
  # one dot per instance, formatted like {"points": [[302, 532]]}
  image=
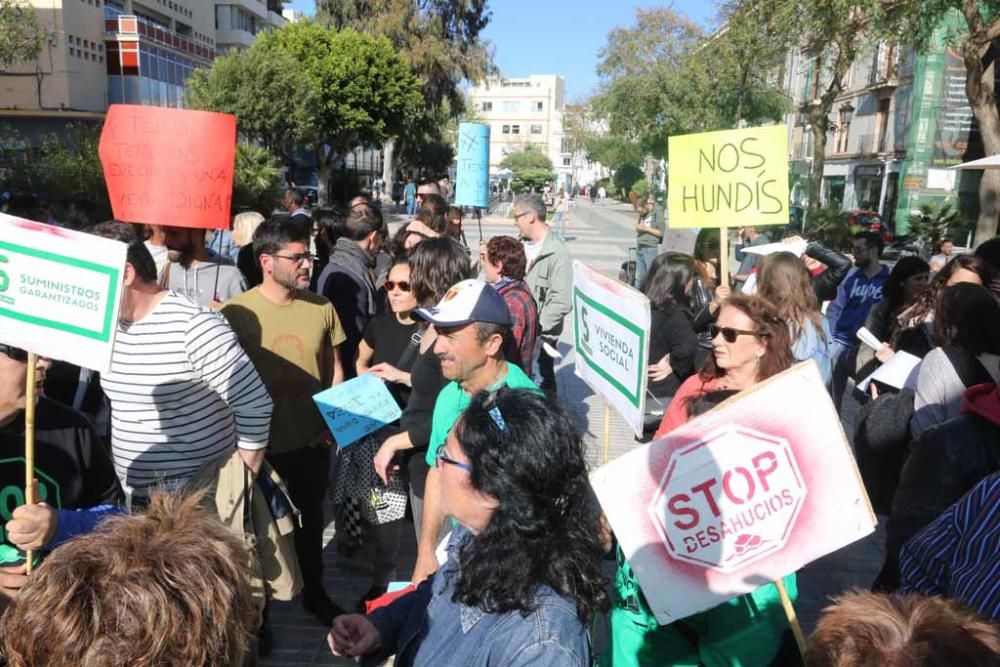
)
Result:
{"points": [[124, 51], [523, 112]]}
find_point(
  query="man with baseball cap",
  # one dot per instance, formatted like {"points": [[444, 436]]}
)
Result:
{"points": [[472, 322]]}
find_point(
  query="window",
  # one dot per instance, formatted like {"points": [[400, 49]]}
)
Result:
{"points": [[515, 129], [511, 105], [538, 106], [487, 106], [506, 129], [536, 129], [566, 161]]}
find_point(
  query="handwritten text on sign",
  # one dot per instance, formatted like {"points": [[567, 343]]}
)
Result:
{"points": [[169, 166], [472, 186], [728, 179], [356, 408]]}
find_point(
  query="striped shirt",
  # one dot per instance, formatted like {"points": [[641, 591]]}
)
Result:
{"points": [[958, 555], [182, 391]]}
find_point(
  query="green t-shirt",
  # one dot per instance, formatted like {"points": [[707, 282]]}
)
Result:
{"points": [[742, 632], [287, 345], [452, 402]]}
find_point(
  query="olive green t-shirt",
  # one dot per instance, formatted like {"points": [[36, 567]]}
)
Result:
{"points": [[287, 344]]}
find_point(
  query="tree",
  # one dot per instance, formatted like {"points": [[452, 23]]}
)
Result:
{"points": [[441, 40], [22, 35], [980, 49], [531, 169], [934, 223], [266, 90], [354, 90], [256, 178]]}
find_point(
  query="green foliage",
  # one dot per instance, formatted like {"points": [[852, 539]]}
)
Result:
{"points": [[22, 35], [934, 223], [61, 168], [256, 177], [639, 191], [614, 152], [529, 158], [267, 92], [365, 92], [830, 226], [531, 179], [625, 177]]}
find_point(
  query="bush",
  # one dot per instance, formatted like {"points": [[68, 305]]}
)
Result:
{"points": [[831, 227], [625, 177], [256, 177]]}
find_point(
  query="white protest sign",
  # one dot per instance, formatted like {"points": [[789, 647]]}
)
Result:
{"points": [[744, 495], [900, 372], [60, 291], [797, 248], [611, 337]]}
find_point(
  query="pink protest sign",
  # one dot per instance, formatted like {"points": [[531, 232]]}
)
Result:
{"points": [[741, 496], [169, 166]]}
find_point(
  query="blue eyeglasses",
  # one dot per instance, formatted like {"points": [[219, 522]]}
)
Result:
{"points": [[442, 458]]}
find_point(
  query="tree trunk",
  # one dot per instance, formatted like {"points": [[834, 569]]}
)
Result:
{"points": [[818, 121], [980, 89], [389, 166], [325, 167]]}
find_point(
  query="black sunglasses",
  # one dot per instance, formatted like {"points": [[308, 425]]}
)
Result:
{"points": [[393, 284], [730, 334], [15, 353]]}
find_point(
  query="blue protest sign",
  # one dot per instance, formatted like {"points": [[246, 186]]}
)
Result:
{"points": [[472, 177], [356, 408]]}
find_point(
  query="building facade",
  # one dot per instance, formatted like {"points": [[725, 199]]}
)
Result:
{"points": [[525, 112], [125, 51], [900, 122]]}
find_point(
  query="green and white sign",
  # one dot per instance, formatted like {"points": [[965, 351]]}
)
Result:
{"points": [[60, 291], [611, 337]]}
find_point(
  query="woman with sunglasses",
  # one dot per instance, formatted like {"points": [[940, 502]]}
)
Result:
{"points": [[435, 265], [750, 343], [784, 280], [522, 581]]}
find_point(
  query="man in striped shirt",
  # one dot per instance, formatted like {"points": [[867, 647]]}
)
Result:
{"points": [[182, 390], [293, 337], [958, 555]]}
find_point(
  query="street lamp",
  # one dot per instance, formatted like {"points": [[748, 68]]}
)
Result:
{"points": [[846, 111]]}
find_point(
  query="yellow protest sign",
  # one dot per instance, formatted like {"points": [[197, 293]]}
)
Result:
{"points": [[729, 179]]}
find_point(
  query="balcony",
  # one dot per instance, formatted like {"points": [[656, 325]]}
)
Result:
{"points": [[127, 28], [882, 83]]}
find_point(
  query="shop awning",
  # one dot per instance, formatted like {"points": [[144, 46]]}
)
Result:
{"points": [[991, 162]]}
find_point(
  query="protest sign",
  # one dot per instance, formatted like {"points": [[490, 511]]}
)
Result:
{"points": [[169, 166], [355, 408], [744, 495], [60, 291], [611, 325], [472, 187], [730, 178]]}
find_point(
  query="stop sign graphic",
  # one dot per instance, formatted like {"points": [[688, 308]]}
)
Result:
{"points": [[728, 499]]}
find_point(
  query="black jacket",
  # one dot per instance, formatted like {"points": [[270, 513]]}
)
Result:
{"points": [[837, 267], [944, 464]]}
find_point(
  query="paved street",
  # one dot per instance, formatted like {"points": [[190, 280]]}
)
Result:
{"points": [[598, 235]]}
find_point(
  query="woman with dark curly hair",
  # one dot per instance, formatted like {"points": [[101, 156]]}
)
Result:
{"points": [[523, 579]]}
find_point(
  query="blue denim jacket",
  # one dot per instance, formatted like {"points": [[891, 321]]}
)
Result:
{"points": [[427, 628]]}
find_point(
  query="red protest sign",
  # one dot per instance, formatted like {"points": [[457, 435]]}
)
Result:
{"points": [[169, 166], [743, 495]]}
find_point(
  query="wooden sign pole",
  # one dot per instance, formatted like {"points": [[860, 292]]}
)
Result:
{"points": [[793, 620], [29, 443], [724, 256], [607, 431]]}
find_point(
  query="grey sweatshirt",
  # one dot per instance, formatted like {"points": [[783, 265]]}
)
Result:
{"points": [[198, 281]]}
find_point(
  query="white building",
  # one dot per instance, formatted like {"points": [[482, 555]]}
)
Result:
{"points": [[525, 112], [237, 22]]}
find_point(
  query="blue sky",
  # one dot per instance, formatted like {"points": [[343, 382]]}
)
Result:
{"points": [[559, 36]]}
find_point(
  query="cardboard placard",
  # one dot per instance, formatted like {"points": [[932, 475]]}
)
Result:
{"points": [[611, 336], [355, 408], [472, 187], [743, 495], [60, 291], [169, 166], [729, 179]]}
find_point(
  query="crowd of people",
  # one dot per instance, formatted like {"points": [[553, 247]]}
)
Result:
{"points": [[185, 488]]}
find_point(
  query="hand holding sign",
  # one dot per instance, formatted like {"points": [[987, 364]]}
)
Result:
{"points": [[356, 408], [169, 166]]}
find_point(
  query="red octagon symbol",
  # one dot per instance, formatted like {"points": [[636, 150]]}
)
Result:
{"points": [[729, 499]]}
